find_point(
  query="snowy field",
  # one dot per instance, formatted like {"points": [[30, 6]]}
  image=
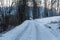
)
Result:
{"points": [[38, 29]]}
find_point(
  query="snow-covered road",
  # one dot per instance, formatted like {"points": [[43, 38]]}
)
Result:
{"points": [[38, 29]]}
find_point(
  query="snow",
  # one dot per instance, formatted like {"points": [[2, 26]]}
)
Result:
{"points": [[37, 29], [48, 20]]}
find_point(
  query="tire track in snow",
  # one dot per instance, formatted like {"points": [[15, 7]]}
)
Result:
{"points": [[44, 31], [21, 34], [37, 31]]}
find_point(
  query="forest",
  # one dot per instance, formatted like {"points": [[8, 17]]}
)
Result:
{"points": [[14, 12]]}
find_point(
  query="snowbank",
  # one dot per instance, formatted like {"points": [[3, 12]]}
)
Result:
{"points": [[48, 20]]}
